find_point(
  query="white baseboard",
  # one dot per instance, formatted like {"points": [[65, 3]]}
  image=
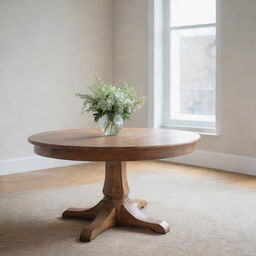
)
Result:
{"points": [[226, 162], [221, 161], [25, 164]]}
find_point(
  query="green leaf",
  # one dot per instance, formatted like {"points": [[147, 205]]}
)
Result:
{"points": [[107, 99]]}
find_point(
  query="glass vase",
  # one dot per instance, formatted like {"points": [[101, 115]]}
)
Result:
{"points": [[111, 124]]}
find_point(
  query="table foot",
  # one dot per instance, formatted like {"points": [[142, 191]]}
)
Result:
{"points": [[107, 214], [132, 216], [82, 213], [104, 220], [115, 208]]}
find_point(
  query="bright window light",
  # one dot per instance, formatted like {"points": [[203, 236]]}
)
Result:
{"points": [[191, 53]]}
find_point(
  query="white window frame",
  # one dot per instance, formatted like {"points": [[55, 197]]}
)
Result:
{"points": [[159, 77]]}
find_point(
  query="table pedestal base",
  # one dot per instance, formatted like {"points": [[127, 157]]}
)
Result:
{"points": [[115, 208]]}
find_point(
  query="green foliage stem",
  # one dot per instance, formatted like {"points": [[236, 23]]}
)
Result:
{"points": [[105, 99]]}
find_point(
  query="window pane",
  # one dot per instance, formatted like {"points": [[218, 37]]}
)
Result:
{"points": [[193, 72], [192, 12]]}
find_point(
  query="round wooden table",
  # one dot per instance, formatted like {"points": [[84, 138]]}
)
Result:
{"points": [[130, 144]]}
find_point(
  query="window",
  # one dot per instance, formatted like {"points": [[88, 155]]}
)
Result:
{"points": [[190, 64]]}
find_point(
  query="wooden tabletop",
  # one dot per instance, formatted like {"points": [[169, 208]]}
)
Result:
{"points": [[129, 145]]}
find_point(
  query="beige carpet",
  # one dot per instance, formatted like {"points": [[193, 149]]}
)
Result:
{"points": [[207, 218]]}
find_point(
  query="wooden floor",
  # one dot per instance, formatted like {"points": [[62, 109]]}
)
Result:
{"points": [[94, 172]]}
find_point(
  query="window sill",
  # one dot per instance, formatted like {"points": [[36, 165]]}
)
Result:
{"points": [[201, 130]]}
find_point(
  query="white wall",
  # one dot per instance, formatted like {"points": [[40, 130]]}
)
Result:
{"points": [[238, 80], [130, 50], [49, 50], [238, 72]]}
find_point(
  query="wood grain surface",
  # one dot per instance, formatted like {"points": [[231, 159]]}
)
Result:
{"points": [[129, 145]]}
